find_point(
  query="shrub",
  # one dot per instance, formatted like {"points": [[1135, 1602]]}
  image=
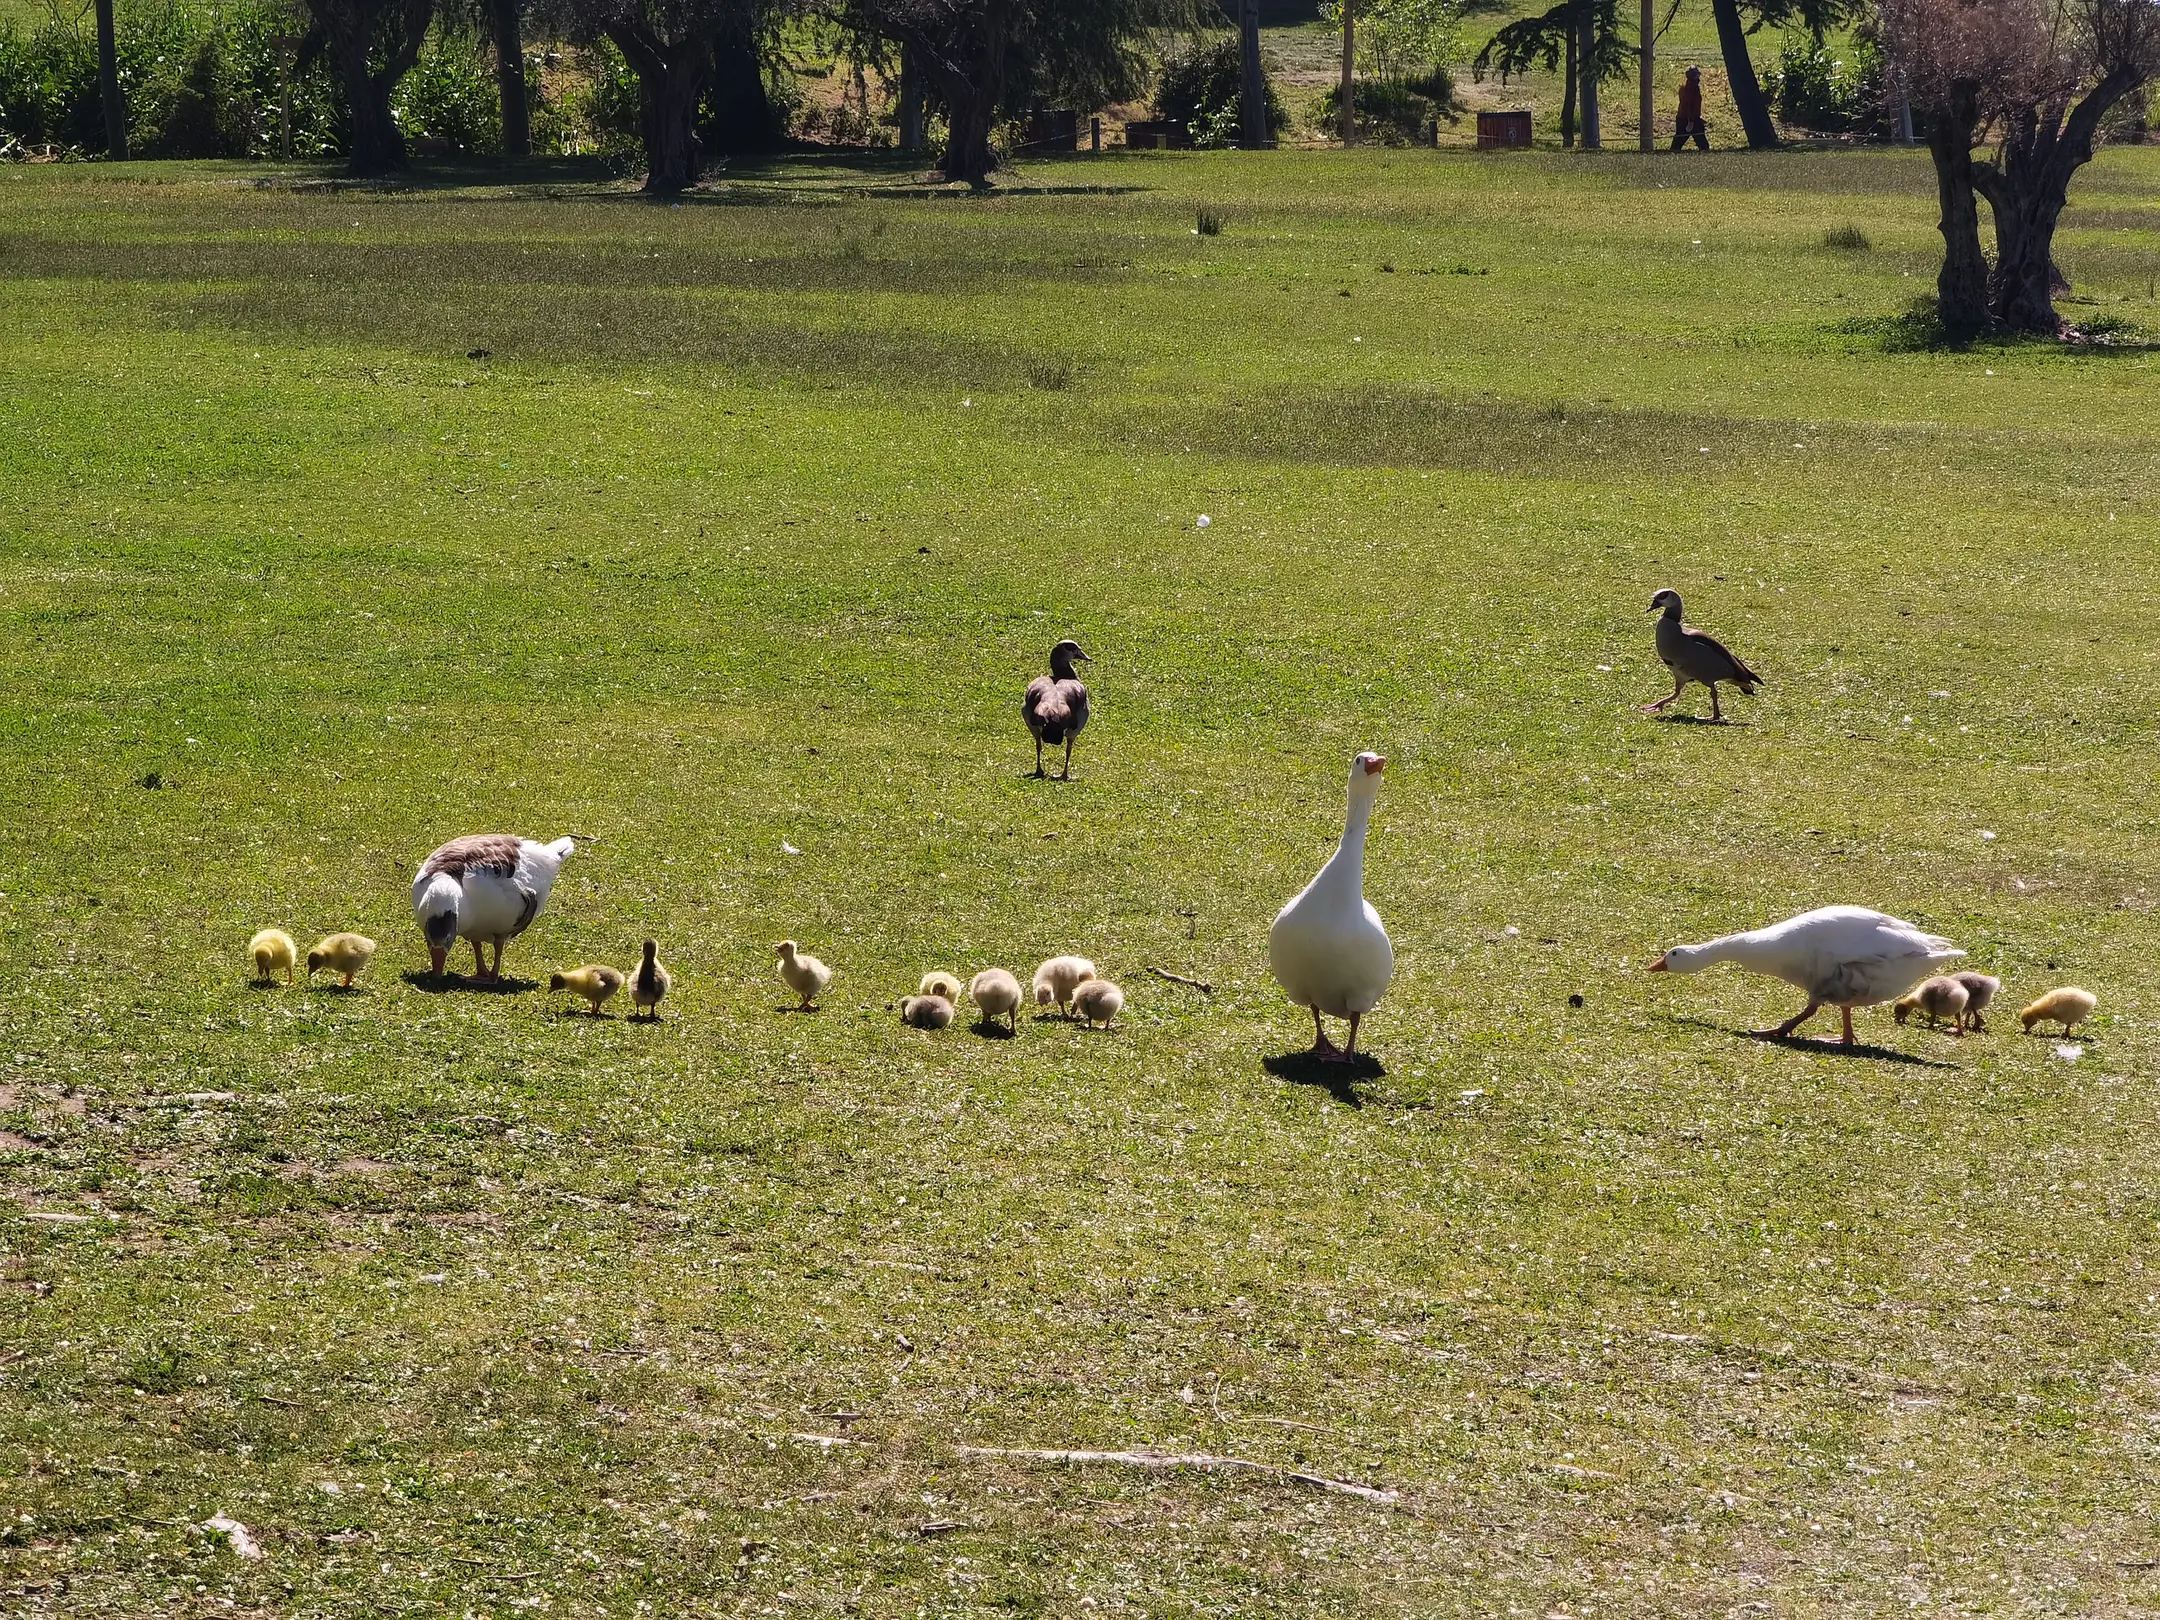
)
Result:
{"points": [[449, 99], [1205, 92], [1815, 90], [1392, 112]]}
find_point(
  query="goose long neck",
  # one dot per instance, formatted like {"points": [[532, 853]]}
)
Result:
{"points": [[1347, 865]]}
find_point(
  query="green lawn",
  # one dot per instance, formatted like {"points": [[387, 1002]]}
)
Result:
{"points": [[747, 525]]}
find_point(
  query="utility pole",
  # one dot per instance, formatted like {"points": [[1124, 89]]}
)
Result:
{"points": [[1649, 78], [108, 59], [1349, 38]]}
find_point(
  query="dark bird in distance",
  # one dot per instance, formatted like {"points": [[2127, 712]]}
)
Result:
{"points": [[1695, 655], [1056, 705]]}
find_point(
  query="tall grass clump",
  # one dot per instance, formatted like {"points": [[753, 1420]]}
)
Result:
{"points": [[1847, 238]]}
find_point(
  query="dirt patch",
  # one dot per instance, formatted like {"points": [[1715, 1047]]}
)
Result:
{"points": [[10, 1142]]}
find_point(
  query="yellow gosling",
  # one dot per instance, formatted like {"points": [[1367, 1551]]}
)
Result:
{"points": [[805, 975], [273, 949], [595, 982], [344, 954], [2068, 1006]]}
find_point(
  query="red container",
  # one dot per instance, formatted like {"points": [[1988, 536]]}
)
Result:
{"points": [[1498, 129]]}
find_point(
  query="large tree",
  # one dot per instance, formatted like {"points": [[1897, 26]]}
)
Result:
{"points": [[675, 47], [984, 61], [372, 44], [2035, 77]]}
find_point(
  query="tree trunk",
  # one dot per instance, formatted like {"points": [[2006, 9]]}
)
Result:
{"points": [[1586, 76], [1253, 132], [1567, 91], [1348, 93], [970, 121], [742, 115], [1740, 76], [108, 54], [1647, 90], [352, 30], [2029, 187], [911, 101], [672, 75], [510, 78], [1961, 289]]}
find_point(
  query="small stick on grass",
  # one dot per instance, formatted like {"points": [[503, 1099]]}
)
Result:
{"points": [[1200, 985], [1192, 1459]]}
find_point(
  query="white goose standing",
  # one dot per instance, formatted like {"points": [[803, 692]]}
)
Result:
{"points": [[1328, 949], [1840, 956], [486, 888]]}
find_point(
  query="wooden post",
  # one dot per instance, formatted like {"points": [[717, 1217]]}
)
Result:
{"points": [[1586, 78], [1349, 39], [1252, 90], [1649, 77], [109, 84]]}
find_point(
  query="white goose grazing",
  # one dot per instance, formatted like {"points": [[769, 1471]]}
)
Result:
{"points": [[1328, 948], [1840, 956], [487, 888]]}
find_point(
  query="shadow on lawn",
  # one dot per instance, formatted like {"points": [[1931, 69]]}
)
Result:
{"points": [[1803, 1043], [1338, 1080], [438, 984]]}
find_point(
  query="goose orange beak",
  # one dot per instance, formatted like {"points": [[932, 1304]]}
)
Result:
{"points": [[436, 957], [1659, 966], [1373, 767]]}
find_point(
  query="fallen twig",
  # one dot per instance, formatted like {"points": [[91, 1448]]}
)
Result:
{"points": [[1200, 1460], [279, 1400], [1200, 985], [1290, 1423], [823, 1439]]}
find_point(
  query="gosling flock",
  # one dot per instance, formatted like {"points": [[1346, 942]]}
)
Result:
{"points": [[1328, 948]]}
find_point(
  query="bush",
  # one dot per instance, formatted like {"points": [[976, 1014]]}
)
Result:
{"points": [[449, 100], [1815, 90], [1205, 92], [1392, 112]]}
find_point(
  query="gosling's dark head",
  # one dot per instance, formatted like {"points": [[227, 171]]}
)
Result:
{"points": [[1666, 602], [314, 961], [557, 982], [650, 947]]}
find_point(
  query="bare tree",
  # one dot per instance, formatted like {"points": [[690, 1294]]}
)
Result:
{"points": [[2035, 77]]}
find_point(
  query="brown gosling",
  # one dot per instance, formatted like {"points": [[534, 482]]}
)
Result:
{"points": [[937, 982], [1057, 978], [341, 953], [805, 975], [1939, 1000], [649, 982], [2068, 1006], [593, 981], [926, 1012], [272, 949], [1097, 1001], [1980, 991], [997, 994]]}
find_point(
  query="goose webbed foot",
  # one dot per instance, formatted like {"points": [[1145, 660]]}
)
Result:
{"points": [[1323, 1049], [1779, 1032]]}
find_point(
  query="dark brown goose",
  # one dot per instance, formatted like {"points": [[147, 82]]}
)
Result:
{"points": [[1056, 705], [1695, 655]]}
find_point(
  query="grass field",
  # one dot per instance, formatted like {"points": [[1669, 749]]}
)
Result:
{"points": [[339, 522]]}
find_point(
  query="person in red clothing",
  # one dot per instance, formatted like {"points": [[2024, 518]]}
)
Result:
{"points": [[1689, 120]]}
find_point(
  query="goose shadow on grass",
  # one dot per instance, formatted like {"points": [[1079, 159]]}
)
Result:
{"points": [[1697, 720], [990, 1030], [1803, 1043], [440, 984], [1338, 1080]]}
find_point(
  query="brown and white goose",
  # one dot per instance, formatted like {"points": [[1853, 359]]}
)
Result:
{"points": [[1695, 655], [1056, 705]]}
